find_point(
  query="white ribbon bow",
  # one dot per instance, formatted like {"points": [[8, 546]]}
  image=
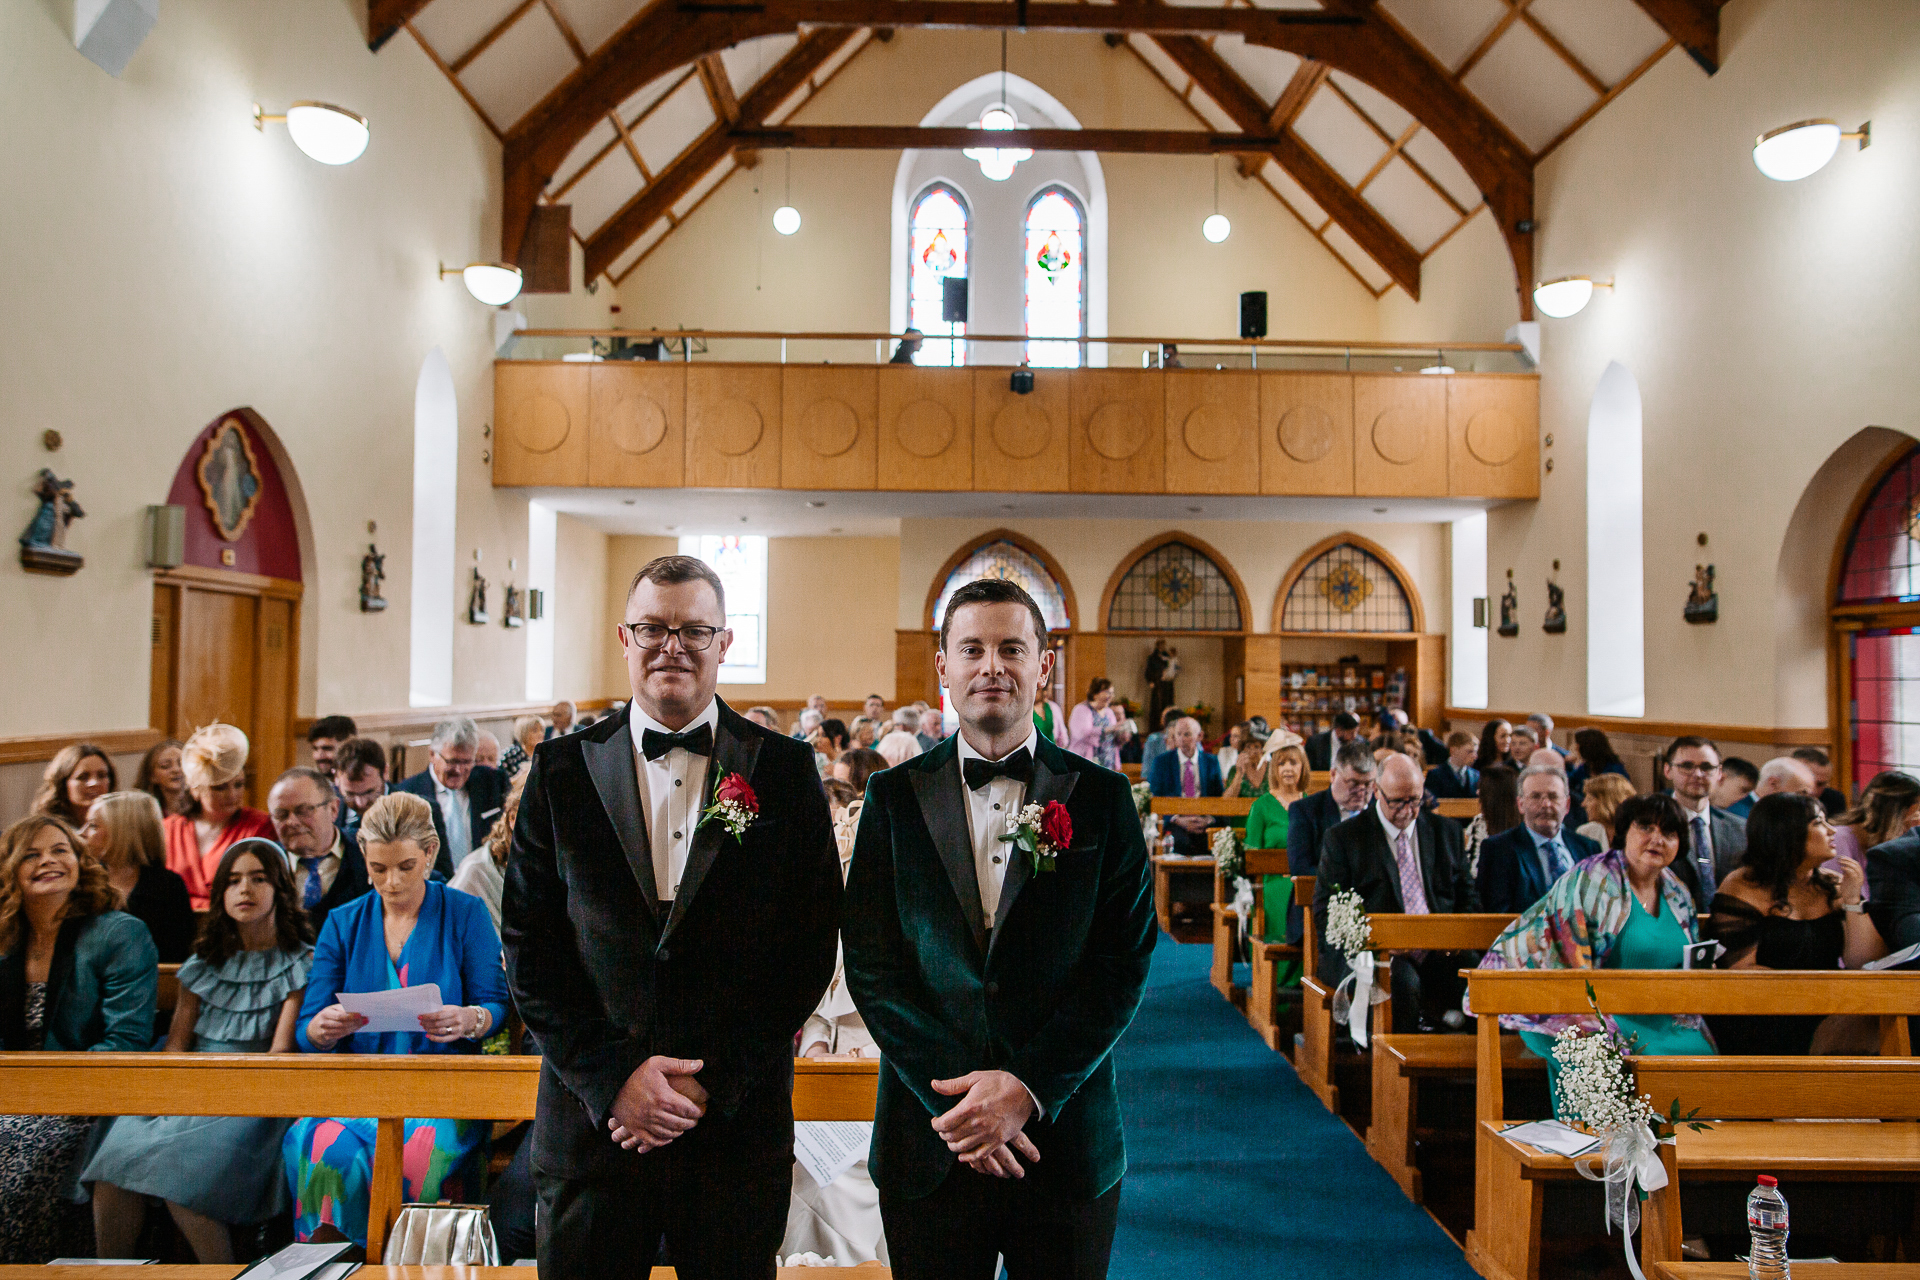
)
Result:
{"points": [[1629, 1163], [1243, 904], [1355, 997]]}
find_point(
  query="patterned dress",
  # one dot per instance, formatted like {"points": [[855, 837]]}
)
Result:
{"points": [[37, 1156]]}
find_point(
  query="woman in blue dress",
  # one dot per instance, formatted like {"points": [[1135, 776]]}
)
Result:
{"points": [[410, 931], [239, 993]]}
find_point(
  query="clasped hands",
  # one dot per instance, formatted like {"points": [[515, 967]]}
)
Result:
{"points": [[660, 1101], [984, 1128]]}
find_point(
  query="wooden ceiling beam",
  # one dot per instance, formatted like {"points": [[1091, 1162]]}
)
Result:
{"points": [[1307, 77], [885, 137], [1694, 23], [385, 18]]}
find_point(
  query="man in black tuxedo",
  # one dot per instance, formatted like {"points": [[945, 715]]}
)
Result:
{"points": [[1455, 778], [1893, 890], [466, 797], [1518, 866], [1399, 860], [1320, 748], [995, 983], [1311, 817], [664, 960]]}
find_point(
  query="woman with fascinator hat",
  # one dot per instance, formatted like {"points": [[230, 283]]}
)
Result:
{"points": [[216, 817]]}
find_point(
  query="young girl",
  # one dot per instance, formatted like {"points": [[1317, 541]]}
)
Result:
{"points": [[239, 993]]}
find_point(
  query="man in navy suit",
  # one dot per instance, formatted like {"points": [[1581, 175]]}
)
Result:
{"points": [[466, 798], [1320, 748], [1518, 866], [328, 870], [1457, 779], [1310, 818], [1184, 770]]}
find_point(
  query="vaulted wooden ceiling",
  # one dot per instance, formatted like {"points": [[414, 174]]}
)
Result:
{"points": [[1384, 127]]}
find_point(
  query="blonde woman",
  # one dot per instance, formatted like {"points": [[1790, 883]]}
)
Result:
{"points": [[123, 830], [1285, 768], [526, 736], [216, 816], [1605, 792], [898, 747]]}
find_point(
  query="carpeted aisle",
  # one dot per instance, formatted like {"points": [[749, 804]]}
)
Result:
{"points": [[1235, 1169]]}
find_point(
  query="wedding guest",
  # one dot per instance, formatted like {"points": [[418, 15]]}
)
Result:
{"points": [[1495, 740], [932, 728], [1545, 758], [1521, 744], [75, 777], [875, 708], [835, 1030], [75, 974], [1783, 775], [486, 751], [160, 776], [1247, 776], [1186, 771], [1322, 746], [1540, 724], [840, 797], [1237, 738], [1499, 809], [1286, 773], [324, 739], [1734, 791], [865, 731], [216, 818], [1717, 837], [1592, 756], [1605, 794], [1515, 868], [1821, 764], [1779, 910], [1457, 779], [483, 873], [1889, 808], [856, 765], [123, 830], [526, 736], [560, 718], [239, 993], [465, 796], [765, 717], [1347, 796], [837, 738], [1156, 742], [323, 858], [1893, 876], [411, 931], [360, 778], [809, 721], [1096, 728], [898, 747], [1050, 719]]}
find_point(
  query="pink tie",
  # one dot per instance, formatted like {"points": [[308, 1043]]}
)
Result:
{"points": [[1413, 891], [1189, 781]]}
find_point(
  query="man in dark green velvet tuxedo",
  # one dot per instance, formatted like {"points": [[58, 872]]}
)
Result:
{"points": [[997, 974]]}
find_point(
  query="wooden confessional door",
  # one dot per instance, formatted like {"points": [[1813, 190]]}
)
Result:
{"points": [[225, 647]]}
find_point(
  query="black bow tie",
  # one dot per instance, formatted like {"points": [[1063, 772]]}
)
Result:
{"points": [[699, 740], [1018, 766]]}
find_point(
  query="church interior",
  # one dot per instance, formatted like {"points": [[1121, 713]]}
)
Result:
{"points": [[1437, 366]]}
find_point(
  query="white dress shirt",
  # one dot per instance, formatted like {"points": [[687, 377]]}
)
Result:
{"points": [[672, 793], [456, 811], [990, 815]]}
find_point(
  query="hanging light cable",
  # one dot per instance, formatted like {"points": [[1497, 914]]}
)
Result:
{"points": [[1216, 228], [786, 219]]}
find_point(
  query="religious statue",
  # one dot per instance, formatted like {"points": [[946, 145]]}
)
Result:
{"points": [[43, 547], [1555, 623], [1703, 602], [477, 600], [1163, 667], [510, 611], [373, 570], [1510, 609]]}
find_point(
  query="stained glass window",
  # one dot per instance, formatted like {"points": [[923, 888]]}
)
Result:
{"points": [[741, 563], [1883, 558], [1003, 559], [1883, 567], [1056, 278], [1346, 589], [938, 248], [1174, 587]]}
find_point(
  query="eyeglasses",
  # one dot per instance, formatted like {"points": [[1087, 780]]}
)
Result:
{"points": [[694, 637], [1399, 806], [1690, 766], [299, 812]]}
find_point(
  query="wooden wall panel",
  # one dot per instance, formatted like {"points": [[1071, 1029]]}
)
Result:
{"points": [[540, 422], [1086, 658], [926, 428], [1212, 428], [733, 426], [1233, 700], [914, 679], [1263, 679], [271, 736], [1400, 435], [1425, 658], [1119, 431], [1493, 435], [1306, 433], [827, 439], [637, 425], [1020, 441]]}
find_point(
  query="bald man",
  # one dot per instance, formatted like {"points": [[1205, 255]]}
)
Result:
{"points": [[1401, 860], [1784, 775]]}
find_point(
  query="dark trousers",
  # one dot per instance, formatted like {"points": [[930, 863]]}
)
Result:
{"points": [[718, 1195], [956, 1232], [1424, 989]]}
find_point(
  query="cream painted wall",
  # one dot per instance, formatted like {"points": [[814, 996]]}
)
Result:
{"points": [[1467, 291], [581, 627], [625, 554]]}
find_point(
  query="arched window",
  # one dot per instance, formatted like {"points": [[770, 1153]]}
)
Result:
{"points": [[1881, 645], [1174, 587], [937, 247], [1347, 588], [1001, 558], [1055, 267]]}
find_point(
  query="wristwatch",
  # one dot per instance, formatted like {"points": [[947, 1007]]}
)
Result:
{"points": [[1854, 908]]}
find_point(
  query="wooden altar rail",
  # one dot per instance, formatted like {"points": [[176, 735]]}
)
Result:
{"points": [[390, 1089]]}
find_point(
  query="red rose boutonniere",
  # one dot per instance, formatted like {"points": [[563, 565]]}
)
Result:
{"points": [[1042, 833], [734, 805]]}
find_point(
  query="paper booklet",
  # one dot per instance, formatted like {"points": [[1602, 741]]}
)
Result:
{"points": [[1551, 1135], [1894, 960], [828, 1148], [396, 1010], [305, 1262]]}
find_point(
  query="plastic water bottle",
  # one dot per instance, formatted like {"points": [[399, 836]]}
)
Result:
{"points": [[1767, 1223]]}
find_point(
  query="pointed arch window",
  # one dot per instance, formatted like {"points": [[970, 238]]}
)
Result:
{"points": [[1876, 626], [1055, 267], [938, 246], [1347, 588], [1174, 587], [1003, 559]]}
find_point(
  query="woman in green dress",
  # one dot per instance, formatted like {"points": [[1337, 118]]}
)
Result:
{"points": [[1283, 773]]}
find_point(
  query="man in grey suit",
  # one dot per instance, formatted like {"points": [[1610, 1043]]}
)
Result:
{"points": [[1716, 837]]}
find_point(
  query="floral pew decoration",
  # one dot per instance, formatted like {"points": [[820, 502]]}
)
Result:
{"points": [[1350, 932]]}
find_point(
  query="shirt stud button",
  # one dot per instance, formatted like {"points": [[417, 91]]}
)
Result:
{"points": [[676, 835], [678, 783], [996, 859]]}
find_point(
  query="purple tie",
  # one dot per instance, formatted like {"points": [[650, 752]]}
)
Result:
{"points": [[1413, 892], [1189, 780]]}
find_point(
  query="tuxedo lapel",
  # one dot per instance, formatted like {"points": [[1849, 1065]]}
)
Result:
{"points": [[733, 752], [938, 791], [611, 766], [1047, 786]]}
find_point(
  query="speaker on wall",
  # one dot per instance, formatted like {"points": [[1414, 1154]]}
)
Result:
{"points": [[953, 299], [166, 536], [108, 31], [1253, 314]]}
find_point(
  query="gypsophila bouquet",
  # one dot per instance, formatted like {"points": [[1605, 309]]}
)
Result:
{"points": [[1596, 1087], [1228, 852], [1142, 799], [1348, 929]]}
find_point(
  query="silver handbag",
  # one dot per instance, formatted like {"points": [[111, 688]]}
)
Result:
{"points": [[438, 1235]]}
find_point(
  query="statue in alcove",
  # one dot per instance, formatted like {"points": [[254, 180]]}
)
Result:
{"points": [[1555, 623], [1703, 602], [1510, 608], [373, 571], [1163, 667], [43, 547], [510, 608]]}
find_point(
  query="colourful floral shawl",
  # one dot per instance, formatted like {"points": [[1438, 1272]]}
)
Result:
{"points": [[1576, 926]]}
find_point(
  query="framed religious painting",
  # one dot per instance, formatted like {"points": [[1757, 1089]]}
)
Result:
{"points": [[229, 476]]}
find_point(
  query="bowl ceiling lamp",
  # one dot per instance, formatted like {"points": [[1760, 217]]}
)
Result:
{"points": [[490, 282], [1567, 296], [329, 134], [1801, 149]]}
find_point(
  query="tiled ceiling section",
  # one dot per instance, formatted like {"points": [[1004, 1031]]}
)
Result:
{"points": [[1541, 68]]}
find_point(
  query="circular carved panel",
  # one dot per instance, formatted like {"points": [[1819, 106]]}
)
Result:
{"points": [[734, 427], [924, 429], [637, 425], [544, 426], [1307, 433], [829, 427], [1116, 431], [1398, 436], [1493, 436], [1022, 429], [1210, 434]]}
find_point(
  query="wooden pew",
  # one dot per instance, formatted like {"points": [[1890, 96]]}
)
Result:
{"points": [[388, 1088], [168, 994], [1261, 1000], [1132, 772], [1168, 865], [1804, 1270], [1314, 1058], [1401, 1061], [1465, 810], [1509, 1177]]}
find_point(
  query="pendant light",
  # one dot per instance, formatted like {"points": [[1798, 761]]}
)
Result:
{"points": [[786, 219], [1216, 228], [997, 163]]}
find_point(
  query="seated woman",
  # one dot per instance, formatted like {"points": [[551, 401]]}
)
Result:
{"points": [[216, 817], [1780, 910], [1605, 794], [75, 974], [240, 993], [1593, 757], [408, 932], [898, 747], [123, 831], [483, 873], [1499, 793], [1888, 809], [1619, 910], [1283, 767], [75, 778], [160, 777]]}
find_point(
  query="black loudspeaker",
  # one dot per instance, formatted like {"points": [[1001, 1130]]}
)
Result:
{"points": [[953, 299], [1253, 314], [1020, 383]]}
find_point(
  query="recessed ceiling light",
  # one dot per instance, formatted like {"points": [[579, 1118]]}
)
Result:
{"points": [[816, 505], [669, 527], [1379, 511], [627, 502], [1194, 510]]}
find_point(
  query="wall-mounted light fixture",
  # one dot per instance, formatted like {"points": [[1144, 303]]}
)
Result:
{"points": [[491, 282], [1567, 296], [329, 134], [1795, 151]]}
